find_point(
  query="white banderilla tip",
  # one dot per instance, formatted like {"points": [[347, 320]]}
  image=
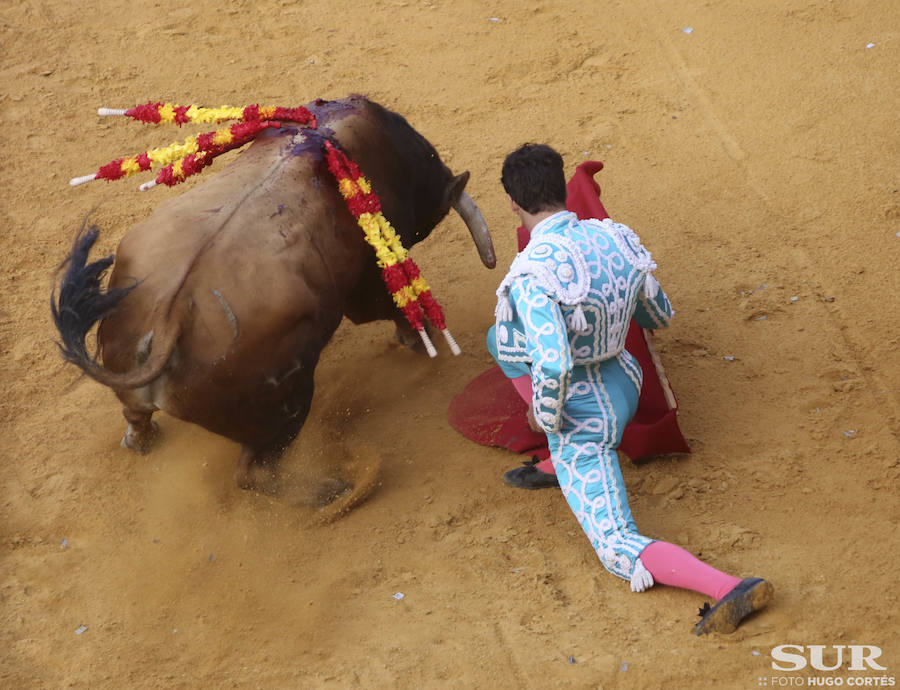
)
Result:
{"points": [[75, 181], [454, 348], [429, 346], [106, 112]]}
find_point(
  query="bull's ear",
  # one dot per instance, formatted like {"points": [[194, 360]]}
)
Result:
{"points": [[455, 189]]}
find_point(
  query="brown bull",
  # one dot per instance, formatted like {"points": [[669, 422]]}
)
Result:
{"points": [[220, 303]]}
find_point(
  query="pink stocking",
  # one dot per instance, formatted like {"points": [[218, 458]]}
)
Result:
{"points": [[523, 388], [667, 563], [672, 565]]}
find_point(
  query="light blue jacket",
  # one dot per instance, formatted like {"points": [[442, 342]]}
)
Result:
{"points": [[568, 300]]}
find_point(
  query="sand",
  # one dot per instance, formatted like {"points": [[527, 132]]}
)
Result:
{"points": [[752, 145]]}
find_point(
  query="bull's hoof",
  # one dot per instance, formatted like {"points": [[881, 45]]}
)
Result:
{"points": [[257, 477], [327, 491], [141, 441], [407, 338], [411, 339]]}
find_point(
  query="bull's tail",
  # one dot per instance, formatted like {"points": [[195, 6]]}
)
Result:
{"points": [[83, 302]]}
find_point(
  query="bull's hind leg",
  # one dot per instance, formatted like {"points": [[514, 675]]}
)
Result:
{"points": [[256, 469], [258, 461], [142, 431]]}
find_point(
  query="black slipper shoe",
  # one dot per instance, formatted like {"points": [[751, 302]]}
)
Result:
{"points": [[752, 594], [530, 477]]}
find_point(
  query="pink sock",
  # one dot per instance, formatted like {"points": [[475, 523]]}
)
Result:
{"points": [[672, 565], [523, 388], [546, 466]]}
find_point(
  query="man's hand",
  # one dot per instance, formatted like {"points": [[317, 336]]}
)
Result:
{"points": [[532, 422]]}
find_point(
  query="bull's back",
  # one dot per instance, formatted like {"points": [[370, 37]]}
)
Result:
{"points": [[252, 266]]}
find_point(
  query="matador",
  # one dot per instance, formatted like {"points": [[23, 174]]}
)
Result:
{"points": [[562, 315]]}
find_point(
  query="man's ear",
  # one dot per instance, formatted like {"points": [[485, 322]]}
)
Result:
{"points": [[518, 210]]}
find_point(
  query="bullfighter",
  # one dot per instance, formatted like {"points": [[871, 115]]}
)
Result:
{"points": [[562, 314]]}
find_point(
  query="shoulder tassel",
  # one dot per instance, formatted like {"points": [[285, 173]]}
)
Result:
{"points": [[579, 321], [503, 311], [651, 286]]}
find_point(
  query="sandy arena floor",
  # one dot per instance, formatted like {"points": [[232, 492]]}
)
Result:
{"points": [[754, 147]]}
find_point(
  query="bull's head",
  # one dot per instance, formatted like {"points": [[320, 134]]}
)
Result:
{"points": [[433, 190]]}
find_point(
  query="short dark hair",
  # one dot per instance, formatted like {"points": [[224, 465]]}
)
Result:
{"points": [[533, 176]]}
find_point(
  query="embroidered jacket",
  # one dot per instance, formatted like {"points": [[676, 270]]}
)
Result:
{"points": [[568, 299]]}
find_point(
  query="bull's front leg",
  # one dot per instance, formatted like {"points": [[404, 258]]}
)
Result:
{"points": [[407, 336], [372, 302]]}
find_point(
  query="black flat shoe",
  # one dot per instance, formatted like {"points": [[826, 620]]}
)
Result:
{"points": [[752, 594], [530, 477]]}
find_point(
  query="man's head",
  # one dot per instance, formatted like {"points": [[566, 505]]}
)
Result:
{"points": [[533, 177]]}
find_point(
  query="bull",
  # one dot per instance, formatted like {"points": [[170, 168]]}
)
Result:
{"points": [[219, 304]]}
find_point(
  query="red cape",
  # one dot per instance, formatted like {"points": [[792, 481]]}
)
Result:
{"points": [[489, 411]]}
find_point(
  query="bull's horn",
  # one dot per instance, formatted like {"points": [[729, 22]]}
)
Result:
{"points": [[468, 210]]}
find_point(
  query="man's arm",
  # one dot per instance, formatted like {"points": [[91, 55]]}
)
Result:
{"points": [[548, 348], [653, 307]]}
